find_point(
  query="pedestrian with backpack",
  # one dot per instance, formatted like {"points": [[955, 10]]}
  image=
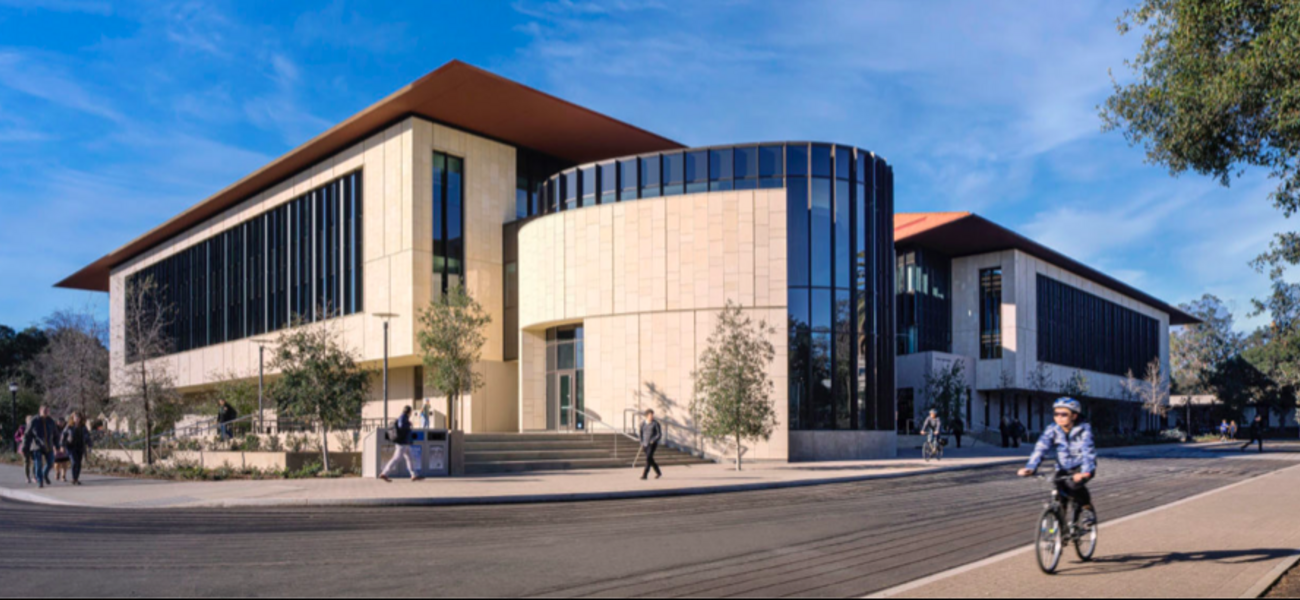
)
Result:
{"points": [[400, 435]]}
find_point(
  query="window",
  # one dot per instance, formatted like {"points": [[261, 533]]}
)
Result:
{"points": [[746, 168], [628, 176], [991, 313], [924, 313], [720, 169], [448, 225], [770, 161], [258, 275], [796, 160], [797, 227], [588, 183], [673, 174], [650, 176], [697, 172], [608, 183]]}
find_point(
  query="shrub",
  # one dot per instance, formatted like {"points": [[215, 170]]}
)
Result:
{"points": [[252, 443], [273, 444]]}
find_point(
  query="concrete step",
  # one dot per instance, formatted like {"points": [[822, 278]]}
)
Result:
{"points": [[564, 465], [479, 456]]}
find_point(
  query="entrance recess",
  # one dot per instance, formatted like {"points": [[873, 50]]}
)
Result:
{"points": [[564, 363]]}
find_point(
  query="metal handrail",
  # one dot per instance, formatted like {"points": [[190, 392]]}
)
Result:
{"points": [[668, 422], [617, 433], [193, 429]]}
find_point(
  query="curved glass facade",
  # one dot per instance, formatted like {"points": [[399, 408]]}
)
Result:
{"points": [[840, 258]]}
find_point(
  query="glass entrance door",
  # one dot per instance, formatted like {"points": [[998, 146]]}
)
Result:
{"points": [[564, 366], [566, 400]]}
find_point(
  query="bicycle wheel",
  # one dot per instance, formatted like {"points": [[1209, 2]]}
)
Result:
{"points": [[938, 453], [1085, 542], [927, 451], [1047, 541]]}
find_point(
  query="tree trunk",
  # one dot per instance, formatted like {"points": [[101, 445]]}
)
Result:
{"points": [[325, 446], [737, 450], [148, 422]]}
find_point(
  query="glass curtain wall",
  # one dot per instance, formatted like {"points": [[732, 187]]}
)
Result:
{"points": [[1080, 330], [991, 313], [838, 221], [924, 318], [300, 260]]}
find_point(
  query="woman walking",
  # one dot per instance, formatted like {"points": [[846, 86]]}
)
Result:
{"points": [[24, 449], [76, 440]]}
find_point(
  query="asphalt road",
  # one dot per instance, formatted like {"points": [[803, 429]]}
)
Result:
{"points": [[832, 540]]}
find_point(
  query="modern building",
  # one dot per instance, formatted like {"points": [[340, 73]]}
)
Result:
{"points": [[1022, 319], [602, 252]]}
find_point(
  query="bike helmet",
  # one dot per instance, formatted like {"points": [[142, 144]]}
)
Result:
{"points": [[1069, 403]]}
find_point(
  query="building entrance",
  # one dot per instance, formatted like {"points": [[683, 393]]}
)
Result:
{"points": [[564, 370]]}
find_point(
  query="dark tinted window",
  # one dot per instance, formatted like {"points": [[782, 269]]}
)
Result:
{"points": [[797, 232], [843, 158], [674, 174], [650, 180], [821, 160], [628, 173], [796, 160]]}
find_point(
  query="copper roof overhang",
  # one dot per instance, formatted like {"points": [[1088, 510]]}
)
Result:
{"points": [[966, 234], [456, 94]]}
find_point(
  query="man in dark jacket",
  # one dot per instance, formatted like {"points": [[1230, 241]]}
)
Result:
{"points": [[225, 414], [958, 428], [1005, 429], [651, 435], [1256, 434], [41, 440], [1017, 432]]}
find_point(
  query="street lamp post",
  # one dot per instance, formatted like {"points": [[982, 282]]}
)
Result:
{"points": [[385, 317], [13, 411], [261, 375]]}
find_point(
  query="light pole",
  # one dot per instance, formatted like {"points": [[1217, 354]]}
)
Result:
{"points": [[261, 369], [13, 411], [385, 317]]}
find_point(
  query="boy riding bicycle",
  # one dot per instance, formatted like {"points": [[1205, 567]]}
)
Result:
{"points": [[932, 427], [1076, 456]]}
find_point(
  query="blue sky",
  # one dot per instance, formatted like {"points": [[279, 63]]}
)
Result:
{"points": [[115, 116]]}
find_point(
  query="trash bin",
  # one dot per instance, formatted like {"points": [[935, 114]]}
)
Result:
{"points": [[429, 454]]}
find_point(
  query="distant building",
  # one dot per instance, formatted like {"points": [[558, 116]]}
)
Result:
{"points": [[1017, 314]]}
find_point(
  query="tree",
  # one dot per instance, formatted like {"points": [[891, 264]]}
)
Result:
{"points": [[1196, 350], [73, 368], [733, 394], [946, 391], [451, 338], [1237, 383], [1040, 379], [1152, 390], [149, 385], [1217, 90], [1076, 386], [319, 379]]}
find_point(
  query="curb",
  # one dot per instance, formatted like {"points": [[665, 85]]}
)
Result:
{"points": [[1272, 577], [36, 498]]}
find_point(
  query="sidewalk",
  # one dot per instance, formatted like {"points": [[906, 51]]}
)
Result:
{"points": [[1230, 542], [595, 484]]}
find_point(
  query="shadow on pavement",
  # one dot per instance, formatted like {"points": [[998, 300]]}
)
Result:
{"points": [[1108, 565]]}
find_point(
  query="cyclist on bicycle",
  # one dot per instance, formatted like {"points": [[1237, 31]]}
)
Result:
{"points": [[1076, 456], [931, 427]]}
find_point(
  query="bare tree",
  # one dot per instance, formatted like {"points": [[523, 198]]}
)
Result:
{"points": [[149, 386], [73, 368], [1152, 390], [1040, 379]]}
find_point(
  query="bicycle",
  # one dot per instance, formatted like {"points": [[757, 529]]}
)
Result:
{"points": [[933, 448], [1053, 534]]}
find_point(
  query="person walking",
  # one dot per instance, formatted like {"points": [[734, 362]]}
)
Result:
{"points": [[958, 428], [1256, 434], [61, 460], [424, 415], [1004, 427], [1223, 431], [40, 441], [401, 439], [18, 443], [651, 435], [76, 440], [1232, 430], [225, 414], [1017, 432]]}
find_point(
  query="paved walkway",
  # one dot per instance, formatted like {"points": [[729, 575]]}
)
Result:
{"points": [[595, 484], [1231, 542]]}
